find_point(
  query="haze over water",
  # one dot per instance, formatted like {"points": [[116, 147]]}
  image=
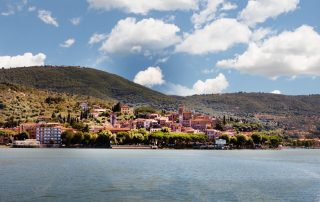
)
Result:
{"points": [[159, 175]]}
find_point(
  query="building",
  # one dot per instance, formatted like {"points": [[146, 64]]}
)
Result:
{"points": [[113, 119], [30, 128], [48, 134], [26, 143], [125, 109], [212, 133], [84, 106], [201, 124]]}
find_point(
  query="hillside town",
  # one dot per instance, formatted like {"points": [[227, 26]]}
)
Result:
{"points": [[126, 127]]}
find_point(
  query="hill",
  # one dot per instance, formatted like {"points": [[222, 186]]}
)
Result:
{"points": [[103, 85], [85, 81], [253, 103], [23, 104]]}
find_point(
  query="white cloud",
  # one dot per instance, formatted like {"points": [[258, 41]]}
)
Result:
{"points": [[147, 35], [258, 11], [32, 8], [278, 92], [290, 53], [207, 14], [46, 17], [261, 33], [209, 86], [27, 59], [143, 6], [227, 6], [13, 7], [149, 77], [97, 38], [75, 21], [68, 43], [220, 35]]}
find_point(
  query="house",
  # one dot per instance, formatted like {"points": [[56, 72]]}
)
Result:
{"points": [[30, 128], [125, 109], [220, 143], [4, 139], [212, 133], [48, 134], [84, 106], [201, 124], [26, 143], [173, 117]]}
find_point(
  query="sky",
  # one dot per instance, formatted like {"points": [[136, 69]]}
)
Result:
{"points": [[180, 47]]}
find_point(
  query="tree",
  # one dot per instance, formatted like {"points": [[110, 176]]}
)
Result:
{"points": [[116, 107], [275, 140], [165, 129], [22, 136], [77, 138], [241, 140], [257, 138], [225, 137], [103, 139], [86, 139], [264, 139], [66, 137], [233, 140], [86, 128]]}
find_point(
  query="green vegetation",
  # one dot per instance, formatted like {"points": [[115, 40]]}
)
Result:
{"points": [[134, 137], [22, 104], [87, 82]]}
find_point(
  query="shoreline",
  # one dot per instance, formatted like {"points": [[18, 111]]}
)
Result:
{"points": [[150, 148]]}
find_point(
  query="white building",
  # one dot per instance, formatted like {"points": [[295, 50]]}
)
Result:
{"points": [[48, 135], [26, 143]]}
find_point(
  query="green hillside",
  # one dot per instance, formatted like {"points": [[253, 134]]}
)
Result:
{"points": [[244, 103], [21, 104], [103, 85], [85, 81]]}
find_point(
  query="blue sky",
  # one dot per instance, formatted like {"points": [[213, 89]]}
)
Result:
{"points": [[181, 47]]}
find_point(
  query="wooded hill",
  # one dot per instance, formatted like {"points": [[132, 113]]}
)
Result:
{"points": [[103, 85]]}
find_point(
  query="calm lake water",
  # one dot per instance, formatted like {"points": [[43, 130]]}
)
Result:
{"points": [[158, 175]]}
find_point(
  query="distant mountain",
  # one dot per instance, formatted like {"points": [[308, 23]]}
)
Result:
{"points": [[100, 84], [252, 103]]}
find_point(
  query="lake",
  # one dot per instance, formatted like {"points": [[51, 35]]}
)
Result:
{"points": [[159, 175]]}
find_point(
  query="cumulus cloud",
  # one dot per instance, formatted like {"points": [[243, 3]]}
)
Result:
{"points": [[207, 14], [218, 36], [75, 21], [278, 92], [149, 77], [97, 38], [261, 33], [46, 17], [209, 86], [290, 53], [258, 11], [68, 43], [147, 35], [27, 59], [227, 6], [143, 6]]}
